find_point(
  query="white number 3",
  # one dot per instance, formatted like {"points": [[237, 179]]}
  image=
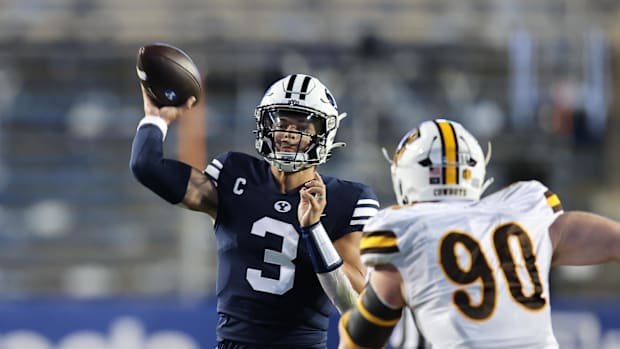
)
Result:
{"points": [[290, 239]]}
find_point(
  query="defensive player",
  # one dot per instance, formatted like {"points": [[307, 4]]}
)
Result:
{"points": [[277, 264], [474, 271]]}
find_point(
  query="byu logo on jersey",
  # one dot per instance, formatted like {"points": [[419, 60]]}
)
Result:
{"points": [[282, 206]]}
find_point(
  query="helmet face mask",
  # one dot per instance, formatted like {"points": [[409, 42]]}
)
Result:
{"points": [[297, 121], [438, 161]]}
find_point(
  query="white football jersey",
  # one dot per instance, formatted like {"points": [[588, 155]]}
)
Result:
{"points": [[476, 273]]}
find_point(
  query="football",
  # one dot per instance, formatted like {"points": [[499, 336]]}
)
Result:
{"points": [[168, 74]]}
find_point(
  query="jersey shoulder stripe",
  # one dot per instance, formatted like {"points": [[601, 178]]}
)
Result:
{"points": [[389, 230], [364, 210], [232, 163], [354, 200], [553, 201], [378, 247], [213, 170], [382, 241]]}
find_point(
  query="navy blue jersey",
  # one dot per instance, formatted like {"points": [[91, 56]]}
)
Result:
{"points": [[267, 290]]}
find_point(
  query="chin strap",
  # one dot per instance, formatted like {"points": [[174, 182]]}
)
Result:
{"points": [[486, 184], [386, 156], [337, 144], [487, 158]]}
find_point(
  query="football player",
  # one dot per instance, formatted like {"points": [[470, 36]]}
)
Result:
{"points": [[287, 237], [473, 271]]}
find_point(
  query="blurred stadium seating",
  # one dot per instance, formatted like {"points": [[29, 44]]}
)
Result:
{"points": [[539, 79]]}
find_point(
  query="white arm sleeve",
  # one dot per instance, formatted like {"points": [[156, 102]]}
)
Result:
{"points": [[339, 289]]}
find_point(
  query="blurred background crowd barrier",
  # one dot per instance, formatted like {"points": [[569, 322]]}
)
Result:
{"points": [[539, 79]]}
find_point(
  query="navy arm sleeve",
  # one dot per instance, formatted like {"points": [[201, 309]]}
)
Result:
{"points": [[165, 177]]}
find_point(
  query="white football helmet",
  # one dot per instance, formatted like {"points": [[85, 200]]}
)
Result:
{"points": [[439, 161], [306, 99]]}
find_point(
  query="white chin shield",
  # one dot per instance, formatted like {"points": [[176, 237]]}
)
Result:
{"points": [[290, 162]]}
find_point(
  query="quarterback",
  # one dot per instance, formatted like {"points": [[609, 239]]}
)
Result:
{"points": [[475, 272], [287, 237]]}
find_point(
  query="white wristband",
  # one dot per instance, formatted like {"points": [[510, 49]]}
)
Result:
{"points": [[324, 245], [157, 121]]}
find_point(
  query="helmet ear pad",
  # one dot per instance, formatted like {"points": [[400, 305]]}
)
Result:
{"points": [[438, 161], [305, 95]]}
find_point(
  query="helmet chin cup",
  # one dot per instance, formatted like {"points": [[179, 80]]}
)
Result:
{"points": [[289, 162]]}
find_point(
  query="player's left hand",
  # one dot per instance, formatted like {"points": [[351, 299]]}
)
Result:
{"points": [[312, 201]]}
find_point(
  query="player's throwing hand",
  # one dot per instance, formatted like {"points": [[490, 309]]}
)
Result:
{"points": [[169, 114]]}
